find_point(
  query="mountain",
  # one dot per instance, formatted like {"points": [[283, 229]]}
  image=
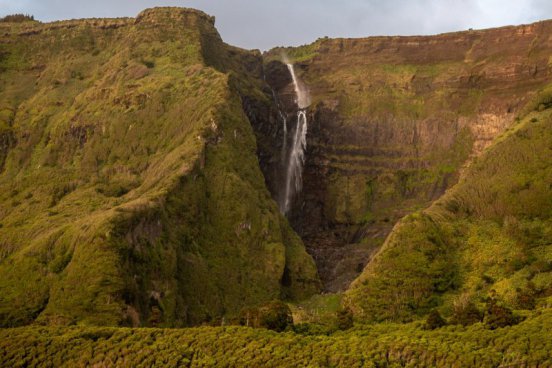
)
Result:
{"points": [[145, 175], [490, 236], [131, 193]]}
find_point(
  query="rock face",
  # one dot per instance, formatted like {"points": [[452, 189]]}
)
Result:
{"points": [[130, 191], [394, 121], [487, 239]]}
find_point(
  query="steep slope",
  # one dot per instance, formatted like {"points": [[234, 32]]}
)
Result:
{"points": [[393, 122], [490, 236], [129, 186]]}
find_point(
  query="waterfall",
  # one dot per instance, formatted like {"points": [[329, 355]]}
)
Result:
{"points": [[294, 172], [296, 155], [301, 94], [284, 139]]}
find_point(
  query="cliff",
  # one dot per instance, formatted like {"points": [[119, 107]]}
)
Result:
{"points": [[130, 189], [394, 122], [487, 238]]}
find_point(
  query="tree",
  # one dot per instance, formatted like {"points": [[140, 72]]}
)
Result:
{"points": [[275, 316], [465, 312], [17, 18]]}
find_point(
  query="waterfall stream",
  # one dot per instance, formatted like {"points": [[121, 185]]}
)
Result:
{"points": [[296, 155]]}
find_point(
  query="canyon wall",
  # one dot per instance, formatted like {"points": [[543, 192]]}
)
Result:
{"points": [[394, 122]]}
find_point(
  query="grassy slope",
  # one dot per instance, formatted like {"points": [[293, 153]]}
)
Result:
{"points": [[131, 169], [388, 345], [490, 235]]}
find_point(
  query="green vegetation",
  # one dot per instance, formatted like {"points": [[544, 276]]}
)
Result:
{"points": [[388, 345], [275, 315], [297, 54], [131, 195], [17, 18], [400, 119]]}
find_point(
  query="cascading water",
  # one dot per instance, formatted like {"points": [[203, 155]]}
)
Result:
{"points": [[296, 155], [301, 93], [284, 142], [296, 161]]}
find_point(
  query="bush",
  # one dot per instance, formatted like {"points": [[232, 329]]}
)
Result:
{"points": [[149, 64], [498, 316], [526, 298], [434, 320], [466, 313], [275, 316], [344, 319]]}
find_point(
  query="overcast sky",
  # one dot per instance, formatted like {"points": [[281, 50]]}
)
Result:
{"points": [[264, 24]]}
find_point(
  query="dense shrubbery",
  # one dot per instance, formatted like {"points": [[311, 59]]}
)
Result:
{"points": [[344, 319], [434, 320], [466, 313], [497, 316], [387, 345]]}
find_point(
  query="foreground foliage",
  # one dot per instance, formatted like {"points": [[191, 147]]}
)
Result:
{"points": [[389, 345]]}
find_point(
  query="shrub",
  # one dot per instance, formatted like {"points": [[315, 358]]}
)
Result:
{"points": [[466, 313], [344, 319], [149, 64], [434, 320], [498, 316], [526, 298], [275, 316]]}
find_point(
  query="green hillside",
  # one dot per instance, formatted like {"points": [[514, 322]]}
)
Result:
{"points": [[490, 236], [130, 188], [394, 121]]}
